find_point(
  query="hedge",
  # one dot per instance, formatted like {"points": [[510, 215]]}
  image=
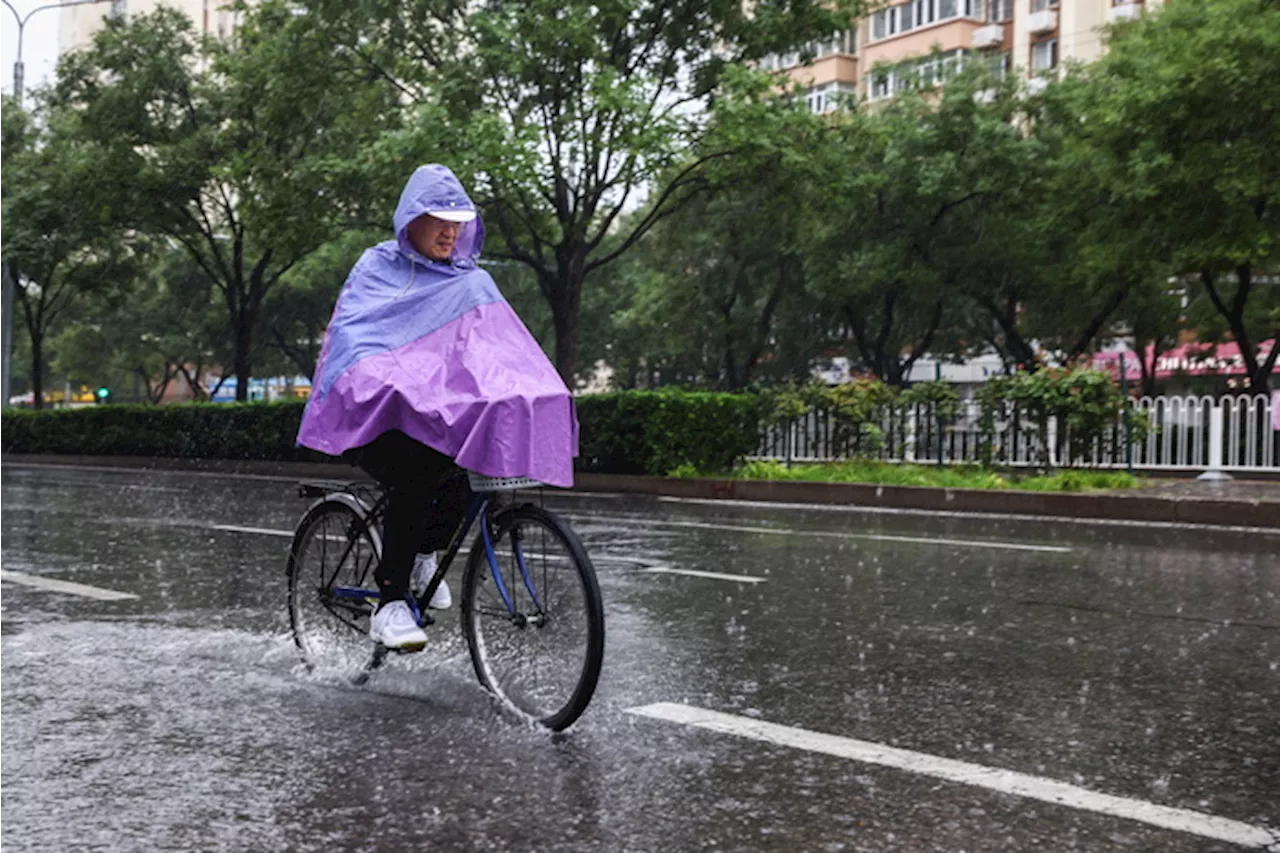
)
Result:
{"points": [[631, 432]]}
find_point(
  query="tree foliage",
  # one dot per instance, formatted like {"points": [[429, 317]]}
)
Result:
{"points": [[1180, 120], [241, 152], [562, 114]]}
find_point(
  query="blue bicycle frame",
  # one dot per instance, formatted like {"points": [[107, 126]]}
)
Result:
{"points": [[479, 508]]}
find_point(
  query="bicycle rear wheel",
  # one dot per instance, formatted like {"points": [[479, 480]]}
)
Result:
{"points": [[334, 552], [541, 656]]}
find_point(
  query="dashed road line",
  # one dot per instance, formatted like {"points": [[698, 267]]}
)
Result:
{"points": [[965, 773], [55, 585], [700, 574], [265, 531], [830, 534], [782, 531]]}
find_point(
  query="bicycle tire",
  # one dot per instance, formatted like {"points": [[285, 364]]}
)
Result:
{"points": [[557, 700], [333, 545]]}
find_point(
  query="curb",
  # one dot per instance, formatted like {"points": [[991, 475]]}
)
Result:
{"points": [[1111, 506], [1235, 512]]}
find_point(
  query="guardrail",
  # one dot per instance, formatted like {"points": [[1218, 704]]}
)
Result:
{"points": [[1178, 437]]}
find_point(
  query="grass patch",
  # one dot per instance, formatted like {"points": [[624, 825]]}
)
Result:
{"points": [[950, 476]]}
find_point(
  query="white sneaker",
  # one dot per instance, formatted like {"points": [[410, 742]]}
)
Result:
{"points": [[395, 627], [424, 568]]}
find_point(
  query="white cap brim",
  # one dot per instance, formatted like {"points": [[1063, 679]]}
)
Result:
{"points": [[453, 215]]}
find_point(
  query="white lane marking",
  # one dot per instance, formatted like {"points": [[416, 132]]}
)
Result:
{"points": [[55, 585], [863, 509], [235, 528], [883, 537], [699, 574], [962, 772], [603, 558]]}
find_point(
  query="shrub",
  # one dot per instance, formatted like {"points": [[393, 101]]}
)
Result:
{"points": [[634, 432], [1086, 403], [657, 432], [196, 431]]}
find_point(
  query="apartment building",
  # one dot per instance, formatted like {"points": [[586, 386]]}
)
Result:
{"points": [[78, 24], [922, 42]]}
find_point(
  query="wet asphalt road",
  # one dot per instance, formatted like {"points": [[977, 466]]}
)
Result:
{"points": [[1140, 662]]}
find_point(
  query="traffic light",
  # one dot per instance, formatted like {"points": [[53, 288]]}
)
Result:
{"points": [[103, 395]]}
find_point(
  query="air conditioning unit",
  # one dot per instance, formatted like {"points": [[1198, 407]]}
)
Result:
{"points": [[1043, 22], [988, 36], [1124, 12]]}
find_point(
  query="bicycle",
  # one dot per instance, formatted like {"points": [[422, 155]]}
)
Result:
{"points": [[528, 584]]}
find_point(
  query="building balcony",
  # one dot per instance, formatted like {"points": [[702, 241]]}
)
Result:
{"points": [[828, 69], [953, 34], [1045, 21], [988, 36], [1124, 12]]}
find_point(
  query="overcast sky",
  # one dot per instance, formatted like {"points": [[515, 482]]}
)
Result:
{"points": [[39, 48]]}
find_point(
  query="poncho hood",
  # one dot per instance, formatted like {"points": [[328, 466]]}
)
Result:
{"points": [[436, 188], [432, 349]]}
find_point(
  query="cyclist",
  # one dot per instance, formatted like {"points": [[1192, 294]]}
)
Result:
{"points": [[425, 367]]}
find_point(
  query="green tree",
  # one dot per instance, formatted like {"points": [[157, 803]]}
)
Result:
{"points": [[60, 243], [725, 268], [564, 114], [244, 153], [1152, 316], [905, 185], [295, 315], [1180, 119], [167, 328]]}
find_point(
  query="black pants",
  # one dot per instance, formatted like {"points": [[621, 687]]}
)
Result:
{"points": [[427, 498]]}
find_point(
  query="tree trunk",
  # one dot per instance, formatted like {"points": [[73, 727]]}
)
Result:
{"points": [[243, 360], [1259, 373], [37, 370], [1148, 371], [564, 315]]}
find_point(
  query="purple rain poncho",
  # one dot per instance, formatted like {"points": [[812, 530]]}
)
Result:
{"points": [[432, 349]]}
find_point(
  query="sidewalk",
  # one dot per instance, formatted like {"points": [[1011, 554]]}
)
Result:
{"points": [[1236, 503]]}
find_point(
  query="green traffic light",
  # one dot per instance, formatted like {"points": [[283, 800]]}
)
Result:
{"points": [[104, 393]]}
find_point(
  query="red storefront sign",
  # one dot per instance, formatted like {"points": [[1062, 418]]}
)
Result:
{"points": [[1186, 360]]}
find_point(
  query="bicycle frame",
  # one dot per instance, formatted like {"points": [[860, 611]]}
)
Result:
{"points": [[479, 508]]}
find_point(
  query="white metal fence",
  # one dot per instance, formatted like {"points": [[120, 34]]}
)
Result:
{"points": [[1177, 438]]}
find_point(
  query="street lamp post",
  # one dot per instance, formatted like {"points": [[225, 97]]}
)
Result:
{"points": [[19, 79]]}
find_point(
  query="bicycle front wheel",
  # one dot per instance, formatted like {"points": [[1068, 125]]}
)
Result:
{"points": [[539, 647], [333, 557]]}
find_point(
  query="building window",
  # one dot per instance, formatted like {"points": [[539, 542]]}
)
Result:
{"points": [[1044, 55], [1000, 64], [918, 74], [999, 11], [885, 23], [829, 97], [842, 42], [1042, 5], [921, 13]]}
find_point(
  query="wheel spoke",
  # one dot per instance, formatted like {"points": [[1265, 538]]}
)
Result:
{"points": [[333, 547], [544, 660]]}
